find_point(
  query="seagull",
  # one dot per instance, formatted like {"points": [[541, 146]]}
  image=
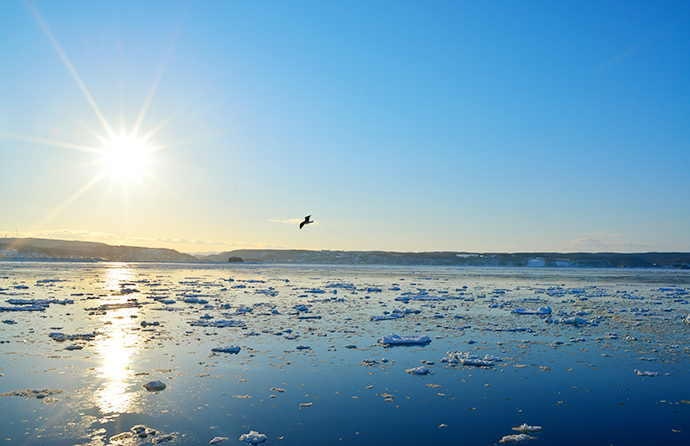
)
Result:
{"points": [[306, 221]]}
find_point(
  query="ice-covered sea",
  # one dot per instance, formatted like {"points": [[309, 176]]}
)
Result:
{"points": [[307, 355]]}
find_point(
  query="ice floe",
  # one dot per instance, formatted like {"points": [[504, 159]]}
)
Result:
{"points": [[218, 324], [253, 437], [421, 370], [645, 373], [540, 310], [230, 349], [394, 339], [527, 429], [517, 438], [468, 359], [60, 337]]}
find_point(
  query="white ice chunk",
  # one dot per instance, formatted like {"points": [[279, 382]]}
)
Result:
{"points": [[253, 437], [518, 438], [525, 428], [465, 358], [573, 321], [421, 371]]}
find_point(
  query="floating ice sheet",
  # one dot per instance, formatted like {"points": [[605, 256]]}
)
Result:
{"points": [[394, 339]]}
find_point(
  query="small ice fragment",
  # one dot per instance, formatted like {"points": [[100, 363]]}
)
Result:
{"points": [[121, 436], [421, 371], [218, 440], [518, 438], [525, 428], [468, 359], [154, 386], [253, 437], [646, 373], [573, 321]]}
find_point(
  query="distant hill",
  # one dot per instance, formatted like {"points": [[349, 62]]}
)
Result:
{"points": [[48, 249], [596, 260]]}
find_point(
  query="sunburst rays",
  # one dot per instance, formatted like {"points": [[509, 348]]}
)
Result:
{"points": [[122, 156]]}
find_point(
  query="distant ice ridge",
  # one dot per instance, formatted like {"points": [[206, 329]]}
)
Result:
{"points": [[396, 314], [33, 304], [540, 310], [42, 302]]}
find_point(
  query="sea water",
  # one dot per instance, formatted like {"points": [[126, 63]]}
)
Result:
{"points": [[607, 365]]}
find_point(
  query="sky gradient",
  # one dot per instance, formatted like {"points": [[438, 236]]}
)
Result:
{"points": [[399, 126]]}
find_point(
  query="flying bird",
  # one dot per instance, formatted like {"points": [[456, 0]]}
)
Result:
{"points": [[306, 221]]}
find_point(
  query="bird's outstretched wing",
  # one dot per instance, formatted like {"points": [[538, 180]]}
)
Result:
{"points": [[306, 221]]}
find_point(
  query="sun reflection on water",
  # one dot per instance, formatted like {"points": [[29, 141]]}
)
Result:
{"points": [[118, 344]]}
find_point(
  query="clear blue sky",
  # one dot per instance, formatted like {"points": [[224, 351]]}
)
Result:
{"points": [[401, 126]]}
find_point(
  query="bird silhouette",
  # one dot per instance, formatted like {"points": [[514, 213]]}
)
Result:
{"points": [[306, 221]]}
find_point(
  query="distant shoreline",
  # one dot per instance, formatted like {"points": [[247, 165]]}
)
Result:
{"points": [[33, 249]]}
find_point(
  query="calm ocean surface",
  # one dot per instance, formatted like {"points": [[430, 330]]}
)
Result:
{"points": [[611, 365]]}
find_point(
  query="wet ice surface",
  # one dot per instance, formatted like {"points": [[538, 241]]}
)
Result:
{"points": [[292, 352]]}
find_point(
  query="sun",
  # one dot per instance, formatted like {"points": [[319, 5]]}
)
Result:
{"points": [[126, 157]]}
